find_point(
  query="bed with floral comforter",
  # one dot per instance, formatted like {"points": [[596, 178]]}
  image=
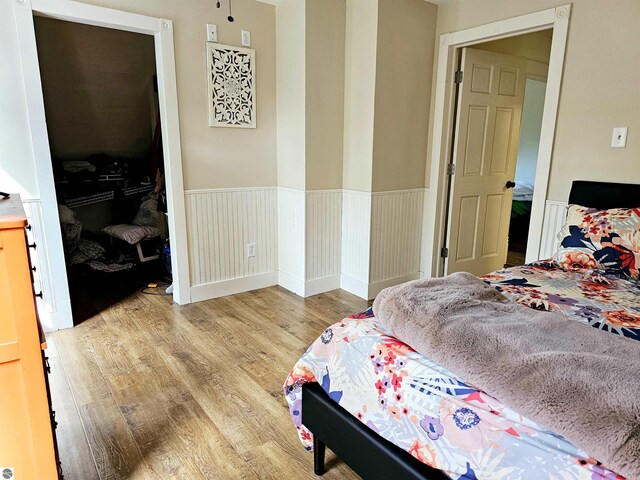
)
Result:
{"points": [[434, 415]]}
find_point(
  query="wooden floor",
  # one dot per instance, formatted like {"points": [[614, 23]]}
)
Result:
{"points": [[516, 255], [151, 390]]}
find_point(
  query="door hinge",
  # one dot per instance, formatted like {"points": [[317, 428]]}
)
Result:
{"points": [[444, 252], [458, 77], [451, 169]]}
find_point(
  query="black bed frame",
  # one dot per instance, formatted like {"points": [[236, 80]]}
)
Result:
{"points": [[370, 455]]}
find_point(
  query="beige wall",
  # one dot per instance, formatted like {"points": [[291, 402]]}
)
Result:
{"points": [[359, 93], [290, 48], [534, 46], [325, 65], [405, 46], [97, 85], [219, 157], [599, 87]]}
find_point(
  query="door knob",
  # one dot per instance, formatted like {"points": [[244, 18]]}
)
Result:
{"points": [[510, 184]]}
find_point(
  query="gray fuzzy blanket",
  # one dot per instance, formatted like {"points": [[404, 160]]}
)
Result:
{"points": [[573, 379]]}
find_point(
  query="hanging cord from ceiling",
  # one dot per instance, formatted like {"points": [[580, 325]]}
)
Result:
{"points": [[230, 17]]}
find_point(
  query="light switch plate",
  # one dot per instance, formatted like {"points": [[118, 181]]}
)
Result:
{"points": [[619, 138], [246, 38], [212, 32]]}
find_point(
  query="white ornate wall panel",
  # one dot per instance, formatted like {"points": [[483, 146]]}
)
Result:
{"points": [[232, 91], [396, 234], [291, 239], [555, 214], [323, 233], [220, 225], [356, 234]]}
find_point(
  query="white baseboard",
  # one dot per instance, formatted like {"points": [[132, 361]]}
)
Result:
{"points": [[355, 286], [321, 285], [376, 288], [291, 283], [231, 287], [307, 289], [368, 291]]}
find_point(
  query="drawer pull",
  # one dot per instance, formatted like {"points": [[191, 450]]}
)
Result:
{"points": [[32, 245], [39, 295], [28, 227]]}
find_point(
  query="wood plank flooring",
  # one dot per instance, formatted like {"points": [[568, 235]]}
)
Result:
{"points": [[151, 390]]}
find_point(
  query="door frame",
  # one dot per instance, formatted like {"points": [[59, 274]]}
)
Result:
{"points": [[436, 198], [162, 31]]}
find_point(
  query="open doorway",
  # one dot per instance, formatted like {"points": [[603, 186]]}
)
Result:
{"points": [[101, 104], [55, 307], [499, 105], [434, 233], [535, 49], [525, 170]]}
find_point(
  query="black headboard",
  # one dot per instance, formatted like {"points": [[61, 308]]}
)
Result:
{"points": [[603, 196]]}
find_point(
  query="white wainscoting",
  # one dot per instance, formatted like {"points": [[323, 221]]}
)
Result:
{"points": [[396, 234], [323, 225], [555, 213], [220, 224], [291, 239], [308, 242], [356, 241]]}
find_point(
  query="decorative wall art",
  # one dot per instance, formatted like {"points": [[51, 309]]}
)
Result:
{"points": [[232, 91]]}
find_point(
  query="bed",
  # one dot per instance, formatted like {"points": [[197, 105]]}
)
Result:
{"points": [[390, 412]]}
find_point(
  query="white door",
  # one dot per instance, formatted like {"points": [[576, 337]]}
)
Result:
{"points": [[485, 153]]}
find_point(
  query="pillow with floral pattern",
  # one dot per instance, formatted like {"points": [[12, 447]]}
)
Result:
{"points": [[606, 240]]}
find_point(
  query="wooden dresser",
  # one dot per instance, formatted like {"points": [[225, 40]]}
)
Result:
{"points": [[27, 442]]}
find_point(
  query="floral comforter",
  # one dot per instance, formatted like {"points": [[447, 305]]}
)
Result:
{"points": [[601, 300], [438, 418]]}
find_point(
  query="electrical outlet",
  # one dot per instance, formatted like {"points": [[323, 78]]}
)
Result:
{"points": [[251, 249], [212, 32], [619, 138], [246, 38]]}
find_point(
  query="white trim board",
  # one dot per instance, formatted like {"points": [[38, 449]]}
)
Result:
{"points": [[436, 198], [59, 304], [162, 31], [208, 291]]}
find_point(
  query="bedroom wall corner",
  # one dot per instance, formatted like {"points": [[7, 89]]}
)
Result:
{"points": [[323, 234], [403, 75], [356, 238], [291, 239]]}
